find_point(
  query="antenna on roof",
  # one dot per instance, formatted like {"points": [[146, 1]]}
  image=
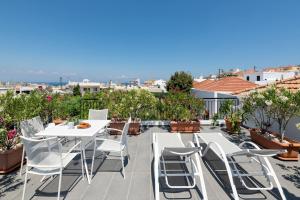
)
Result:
{"points": [[60, 82], [220, 71]]}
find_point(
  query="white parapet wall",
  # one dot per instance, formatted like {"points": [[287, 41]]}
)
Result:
{"points": [[167, 122]]}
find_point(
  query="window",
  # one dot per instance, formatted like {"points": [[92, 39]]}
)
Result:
{"points": [[95, 89], [248, 78], [257, 78]]}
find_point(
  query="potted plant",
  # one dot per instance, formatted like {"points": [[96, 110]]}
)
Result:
{"points": [[215, 118], [183, 110], [232, 116], [10, 148], [137, 104], [274, 107]]}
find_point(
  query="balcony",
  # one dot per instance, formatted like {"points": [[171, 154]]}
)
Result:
{"points": [[108, 182]]}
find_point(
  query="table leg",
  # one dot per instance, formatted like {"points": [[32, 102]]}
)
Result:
{"points": [[85, 166]]}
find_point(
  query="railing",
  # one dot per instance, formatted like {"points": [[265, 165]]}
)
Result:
{"points": [[212, 106]]}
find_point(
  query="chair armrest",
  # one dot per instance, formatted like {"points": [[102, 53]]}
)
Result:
{"points": [[37, 139], [104, 139], [114, 129], [71, 149]]}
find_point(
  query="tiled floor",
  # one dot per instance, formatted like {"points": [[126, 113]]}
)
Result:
{"points": [[108, 182]]}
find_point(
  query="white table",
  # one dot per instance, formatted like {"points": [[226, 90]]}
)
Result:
{"points": [[88, 133]]}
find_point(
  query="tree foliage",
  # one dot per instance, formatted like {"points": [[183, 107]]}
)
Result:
{"points": [[180, 82], [76, 90]]}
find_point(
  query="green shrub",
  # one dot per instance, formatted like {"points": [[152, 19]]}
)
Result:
{"points": [[182, 106], [272, 105]]}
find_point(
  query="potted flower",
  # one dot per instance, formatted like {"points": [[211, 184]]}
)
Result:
{"points": [[10, 148], [137, 104], [120, 108], [232, 116], [183, 110], [274, 107], [215, 118]]}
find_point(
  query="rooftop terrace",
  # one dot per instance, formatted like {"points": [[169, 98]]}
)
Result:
{"points": [[108, 182]]}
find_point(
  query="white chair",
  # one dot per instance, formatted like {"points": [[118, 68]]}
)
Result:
{"points": [[172, 159], [45, 158], [29, 128], [114, 146], [229, 152], [38, 123], [99, 115]]}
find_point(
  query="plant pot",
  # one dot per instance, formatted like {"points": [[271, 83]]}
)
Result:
{"points": [[229, 126], [11, 159], [134, 127], [292, 147], [57, 121], [185, 127]]}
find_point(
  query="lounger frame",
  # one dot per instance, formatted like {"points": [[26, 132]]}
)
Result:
{"points": [[192, 159], [266, 167]]}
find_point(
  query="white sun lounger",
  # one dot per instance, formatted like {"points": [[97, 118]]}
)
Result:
{"points": [[227, 151], [166, 145]]}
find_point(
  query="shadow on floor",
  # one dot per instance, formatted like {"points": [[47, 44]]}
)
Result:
{"points": [[71, 176], [292, 174], [10, 182]]}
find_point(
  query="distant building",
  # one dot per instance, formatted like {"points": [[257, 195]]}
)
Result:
{"points": [[155, 86], [160, 84], [86, 86], [133, 83], [271, 74], [267, 77], [292, 84], [3, 90]]}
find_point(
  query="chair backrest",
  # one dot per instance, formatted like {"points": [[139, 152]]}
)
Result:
{"points": [[31, 127], [38, 123], [43, 153], [125, 132], [98, 114]]}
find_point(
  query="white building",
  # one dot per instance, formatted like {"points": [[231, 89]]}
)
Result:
{"points": [[266, 77], [160, 84], [3, 90], [86, 86], [199, 79]]}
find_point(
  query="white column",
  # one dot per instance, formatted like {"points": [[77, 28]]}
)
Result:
{"points": [[216, 102]]}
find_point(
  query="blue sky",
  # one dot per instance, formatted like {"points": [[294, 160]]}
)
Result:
{"points": [[110, 39]]}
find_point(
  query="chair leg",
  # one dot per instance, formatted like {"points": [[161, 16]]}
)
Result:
{"points": [[156, 179], [43, 178], [22, 161], [59, 184], [275, 179], [127, 152], [82, 170], [25, 183], [123, 169], [93, 159]]}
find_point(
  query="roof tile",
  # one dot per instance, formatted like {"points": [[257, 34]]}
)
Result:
{"points": [[227, 84]]}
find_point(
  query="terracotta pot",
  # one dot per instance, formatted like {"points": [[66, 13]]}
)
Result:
{"points": [[11, 159], [229, 125], [57, 121], [185, 127], [134, 127], [292, 147]]}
